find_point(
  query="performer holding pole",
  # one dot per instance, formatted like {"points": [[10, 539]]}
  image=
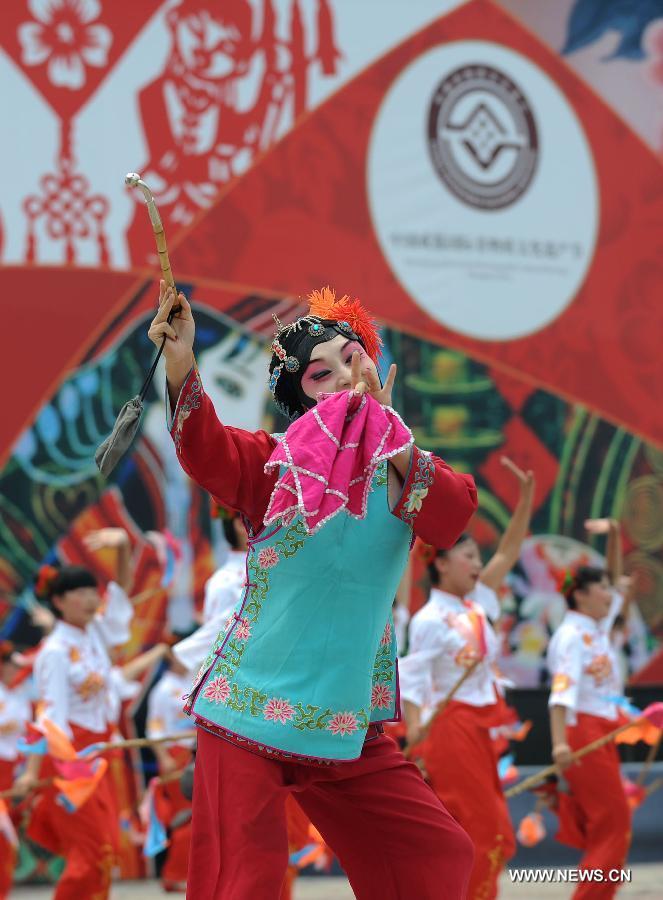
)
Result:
{"points": [[72, 676], [165, 716], [450, 668], [596, 816], [293, 695]]}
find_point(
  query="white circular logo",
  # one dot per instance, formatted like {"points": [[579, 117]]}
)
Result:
{"points": [[482, 190]]}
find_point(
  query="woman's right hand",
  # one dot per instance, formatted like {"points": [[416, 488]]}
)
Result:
{"points": [[562, 756], [178, 350], [23, 785]]}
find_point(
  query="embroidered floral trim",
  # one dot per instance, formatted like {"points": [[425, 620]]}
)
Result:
{"points": [[343, 723], [243, 630], [382, 696], [268, 558], [303, 717], [217, 690], [278, 710], [229, 646], [421, 481], [223, 662], [188, 400]]}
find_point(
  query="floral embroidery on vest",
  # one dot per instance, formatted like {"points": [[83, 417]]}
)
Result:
{"points": [[382, 696], [418, 491], [218, 676], [383, 672]]}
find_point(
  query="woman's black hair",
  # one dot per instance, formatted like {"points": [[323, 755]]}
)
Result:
{"points": [[298, 342], [66, 578], [230, 532], [581, 580], [433, 573]]}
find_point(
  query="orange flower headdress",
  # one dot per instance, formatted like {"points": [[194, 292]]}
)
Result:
{"points": [[45, 578], [292, 344], [324, 305], [565, 580]]}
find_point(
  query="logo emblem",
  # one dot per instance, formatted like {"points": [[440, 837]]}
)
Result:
{"points": [[482, 137]]}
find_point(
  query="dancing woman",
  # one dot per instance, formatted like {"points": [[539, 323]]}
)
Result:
{"points": [[73, 679], [451, 669], [292, 697], [595, 814]]}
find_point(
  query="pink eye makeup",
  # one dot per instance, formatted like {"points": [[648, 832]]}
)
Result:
{"points": [[319, 370]]}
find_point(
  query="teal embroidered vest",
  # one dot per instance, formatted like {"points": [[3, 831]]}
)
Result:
{"points": [[308, 658]]}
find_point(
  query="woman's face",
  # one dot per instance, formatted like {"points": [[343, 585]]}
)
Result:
{"points": [[595, 599], [329, 369], [78, 607], [460, 568], [8, 671]]}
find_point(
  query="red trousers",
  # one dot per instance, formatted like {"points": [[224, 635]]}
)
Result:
{"points": [[459, 757], [391, 834], [7, 852], [170, 801], [595, 816], [87, 838]]}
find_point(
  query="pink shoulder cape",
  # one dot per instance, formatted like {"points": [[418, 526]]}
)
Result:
{"points": [[329, 456]]}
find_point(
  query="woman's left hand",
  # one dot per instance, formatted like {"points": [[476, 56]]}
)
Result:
{"points": [[525, 479], [367, 381], [106, 538]]}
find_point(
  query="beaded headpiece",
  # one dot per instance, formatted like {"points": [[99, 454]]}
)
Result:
{"points": [[326, 316]]}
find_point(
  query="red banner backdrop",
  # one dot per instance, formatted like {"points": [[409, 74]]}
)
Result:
{"points": [[301, 217]]}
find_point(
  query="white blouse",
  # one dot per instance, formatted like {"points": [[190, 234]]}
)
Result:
{"points": [[72, 670], [583, 665], [165, 713], [446, 636], [223, 592], [15, 713]]}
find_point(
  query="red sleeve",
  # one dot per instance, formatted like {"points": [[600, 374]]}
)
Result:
{"points": [[227, 462], [436, 502]]}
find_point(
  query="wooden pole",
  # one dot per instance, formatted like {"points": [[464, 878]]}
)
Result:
{"points": [[649, 761], [578, 754], [133, 743], [146, 595], [9, 793], [442, 705]]}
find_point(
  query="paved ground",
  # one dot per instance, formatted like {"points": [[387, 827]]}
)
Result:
{"points": [[646, 884]]}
